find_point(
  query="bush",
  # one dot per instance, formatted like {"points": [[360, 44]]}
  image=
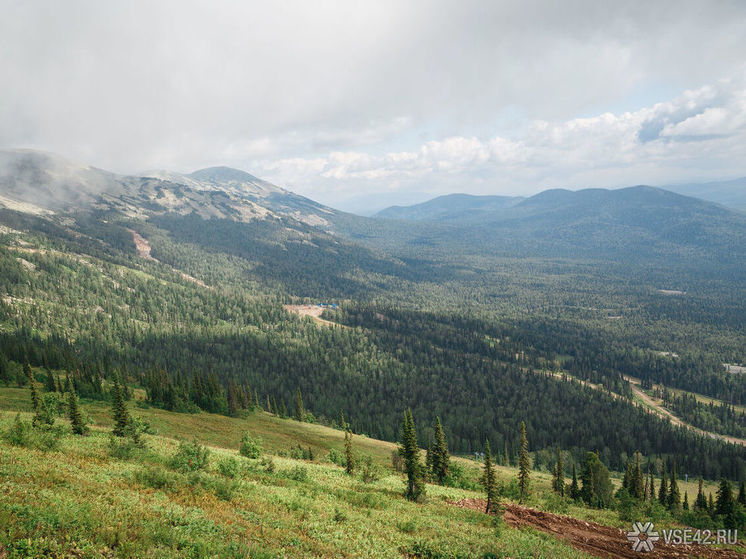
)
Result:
{"points": [[250, 448], [299, 453], [397, 461], [228, 467], [51, 406], [190, 457], [23, 433], [336, 457], [297, 473], [269, 465], [369, 472], [157, 478], [122, 449]]}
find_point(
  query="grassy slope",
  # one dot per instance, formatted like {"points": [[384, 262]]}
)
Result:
{"points": [[80, 501]]}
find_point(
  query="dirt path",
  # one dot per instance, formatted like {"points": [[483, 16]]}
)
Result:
{"points": [[595, 539], [658, 408]]}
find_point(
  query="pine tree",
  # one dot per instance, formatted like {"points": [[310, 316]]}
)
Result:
{"points": [[76, 417], [710, 504], [574, 487], [627, 478], [119, 410], [506, 459], [283, 409], [724, 503], [34, 394], [342, 422], [637, 488], [650, 493], [700, 503], [674, 496], [558, 478], [742, 494], [524, 465], [410, 452], [49, 384], [685, 505], [489, 481], [349, 456], [269, 405], [440, 457], [300, 413], [663, 490]]}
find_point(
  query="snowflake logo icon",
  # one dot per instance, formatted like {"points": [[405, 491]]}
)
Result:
{"points": [[643, 536]]}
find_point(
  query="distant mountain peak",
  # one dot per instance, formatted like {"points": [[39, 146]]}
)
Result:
{"points": [[223, 174]]}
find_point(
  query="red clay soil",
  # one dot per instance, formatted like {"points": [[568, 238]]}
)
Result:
{"points": [[595, 539]]}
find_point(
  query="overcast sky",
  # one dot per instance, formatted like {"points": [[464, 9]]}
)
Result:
{"points": [[363, 103]]}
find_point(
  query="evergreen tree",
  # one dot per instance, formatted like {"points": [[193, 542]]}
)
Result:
{"points": [[700, 502], [269, 405], [627, 478], [49, 384], [410, 452], [349, 456], [506, 458], [637, 488], [663, 489], [76, 417], [710, 504], [283, 409], [724, 503], [597, 489], [119, 410], [651, 488], [342, 422], [524, 465], [742, 494], [300, 413], [685, 505], [558, 478], [489, 481], [674, 496], [574, 488], [440, 457]]}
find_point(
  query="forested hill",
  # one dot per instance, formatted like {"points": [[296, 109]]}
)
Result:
{"points": [[178, 283]]}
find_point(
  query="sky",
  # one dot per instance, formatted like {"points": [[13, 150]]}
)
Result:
{"points": [[363, 104]]}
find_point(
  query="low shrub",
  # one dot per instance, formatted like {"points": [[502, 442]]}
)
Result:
{"points": [[157, 478], [250, 447], [369, 472], [190, 457], [297, 473], [228, 467]]}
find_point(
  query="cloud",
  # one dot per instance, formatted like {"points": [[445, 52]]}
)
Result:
{"points": [[340, 99], [699, 126]]}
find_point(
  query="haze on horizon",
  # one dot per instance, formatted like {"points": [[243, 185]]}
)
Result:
{"points": [[372, 103]]}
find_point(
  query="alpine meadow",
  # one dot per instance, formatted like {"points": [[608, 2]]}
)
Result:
{"points": [[435, 321]]}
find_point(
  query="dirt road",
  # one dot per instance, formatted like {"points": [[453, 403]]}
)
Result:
{"points": [[595, 539]]}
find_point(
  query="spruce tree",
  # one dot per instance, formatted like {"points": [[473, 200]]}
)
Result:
{"points": [[558, 478], [524, 465], [410, 452], [49, 384], [119, 410], [724, 503], [349, 455], [710, 504], [574, 487], [742, 494], [342, 422], [506, 458], [489, 481], [700, 503], [685, 505], [637, 487], [440, 457], [663, 489], [674, 496], [300, 413], [627, 478], [76, 417], [34, 394]]}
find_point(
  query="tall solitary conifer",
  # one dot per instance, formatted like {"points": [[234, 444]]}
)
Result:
{"points": [[674, 496], [558, 479], [410, 452], [119, 410], [524, 465], [637, 488], [663, 489], [349, 455], [34, 393], [489, 479], [574, 487], [700, 503], [440, 457], [73, 412]]}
